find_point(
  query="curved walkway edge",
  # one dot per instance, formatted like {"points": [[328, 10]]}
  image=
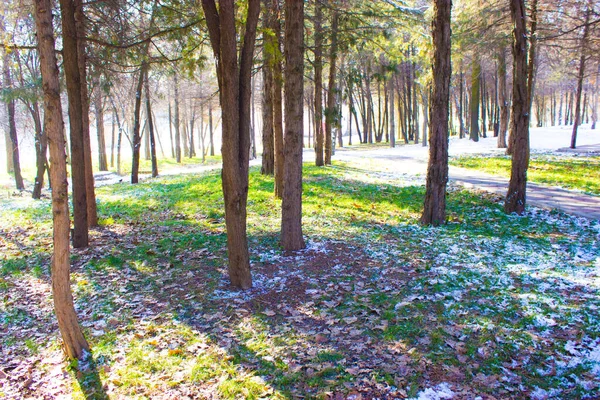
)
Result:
{"points": [[567, 201]]}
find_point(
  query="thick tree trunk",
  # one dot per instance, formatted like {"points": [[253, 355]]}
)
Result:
{"points": [[291, 208], [12, 129], [74, 84], [516, 196], [475, 92], [434, 211], [234, 93], [75, 344], [331, 113], [319, 134], [581, 73]]}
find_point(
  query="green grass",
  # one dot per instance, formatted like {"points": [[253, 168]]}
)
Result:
{"points": [[581, 173], [395, 301]]}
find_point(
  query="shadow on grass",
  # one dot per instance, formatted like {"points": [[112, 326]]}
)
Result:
{"points": [[89, 380]]}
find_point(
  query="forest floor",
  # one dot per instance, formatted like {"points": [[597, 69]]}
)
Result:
{"points": [[489, 306]]}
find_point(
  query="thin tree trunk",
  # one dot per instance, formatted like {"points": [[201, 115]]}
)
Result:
{"points": [[278, 143], [151, 129], [392, 112], [176, 120], [112, 142], [99, 111], [331, 114], [503, 98], [516, 196], [12, 128], [41, 148], [136, 143], [291, 208], [171, 130], [475, 91], [319, 134], [434, 210], [75, 344], [581, 72], [211, 132]]}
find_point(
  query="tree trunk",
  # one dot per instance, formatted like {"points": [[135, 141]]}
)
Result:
{"points": [[176, 121], [234, 92], [291, 208], [113, 141], [99, 111], [434, 211], [461, 108], [319, 134], [278, 142], [503, 98], [426, 115], [74, 342], [581, 72], [74, 84], [331, 114], [171, 130], [392, 112], [135, 164], [92, 213], [515, 198], [211, 131], [12, 128], [151, 129], [268, 156], [41, 148], [475, 91]]}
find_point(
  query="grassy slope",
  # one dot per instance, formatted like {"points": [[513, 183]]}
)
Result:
{"points": [[490, 303], [582, 173]]}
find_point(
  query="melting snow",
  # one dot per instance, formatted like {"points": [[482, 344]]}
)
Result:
{"points": [[439, 392]]}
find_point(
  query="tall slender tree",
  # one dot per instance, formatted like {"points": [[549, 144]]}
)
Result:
{"points": [[434, 212], [75, 344], [234, 73]]}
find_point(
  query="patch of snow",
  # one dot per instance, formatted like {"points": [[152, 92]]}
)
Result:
{"points": [[439, 392]]}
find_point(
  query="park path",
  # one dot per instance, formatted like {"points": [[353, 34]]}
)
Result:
{"points": [[413, 160]]}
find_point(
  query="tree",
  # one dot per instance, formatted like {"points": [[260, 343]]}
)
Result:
{"points": [[318, 65], [331, 113], [13, 143], [581, 71], [268, 156], [75, 344], [234, 94], [475, 98], [434, 211], [74, 94], [515, 198], [291, 209]]}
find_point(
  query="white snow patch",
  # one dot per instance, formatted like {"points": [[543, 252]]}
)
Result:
{"points": [[439, 392]]}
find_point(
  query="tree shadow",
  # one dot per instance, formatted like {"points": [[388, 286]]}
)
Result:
{"points": [[89, 380]]}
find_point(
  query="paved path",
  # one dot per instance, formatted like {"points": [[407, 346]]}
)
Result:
{"points": [[568, 201]]}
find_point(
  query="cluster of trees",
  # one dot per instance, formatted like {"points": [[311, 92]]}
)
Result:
{"points": [[382, 69]]}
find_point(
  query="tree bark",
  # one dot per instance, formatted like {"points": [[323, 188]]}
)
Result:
{"points": [[74, 84], [75, 344], [434, 212], [41, 148], [151, 129], [291, 209], [331, 114], [12, 129], [319, 134], [503, 98], [92, 213], [234, 92], [516, 196], [581, 72], [268, 156], [135, 164], [99, 111], [278, 142], [176, 121], [475, 92]]}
